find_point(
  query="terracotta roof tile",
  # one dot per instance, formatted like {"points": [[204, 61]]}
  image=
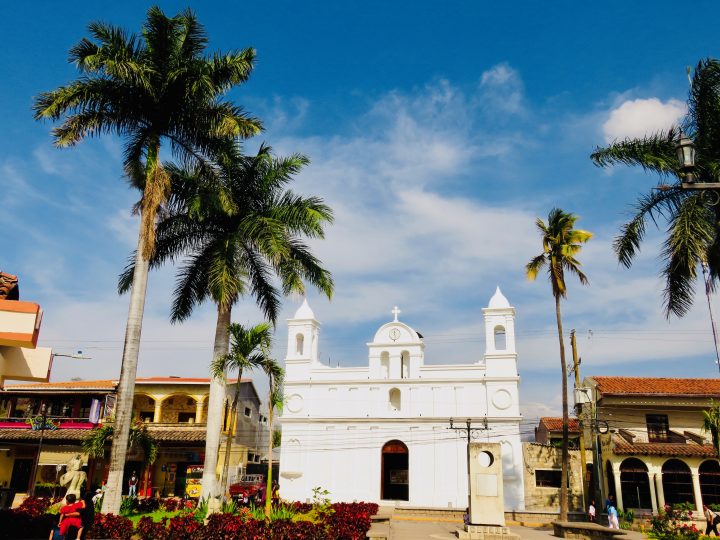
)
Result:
{"points": [[70, 434], [111, 384], [177, 434], [9, 289], [553, 423], [649, 386], [623, 447]]}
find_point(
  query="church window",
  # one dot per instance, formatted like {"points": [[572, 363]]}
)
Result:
{"points": [[394, 397], [405, 364], [385, 365], [500, 344], [299, 344]]}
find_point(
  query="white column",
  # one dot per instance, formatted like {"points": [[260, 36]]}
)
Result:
{"points": [[198, 409], [660, 491], [651, 483], [158, 411], [618, 486], [696, 489]]}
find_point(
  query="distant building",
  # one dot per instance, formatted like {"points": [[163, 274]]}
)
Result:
{"points": [[550, 431], [543, 467], [174, 409], [653, 450], [379, 432]]}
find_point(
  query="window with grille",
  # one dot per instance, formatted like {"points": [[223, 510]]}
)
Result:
{"points": [[548, 478], [657, 427]]}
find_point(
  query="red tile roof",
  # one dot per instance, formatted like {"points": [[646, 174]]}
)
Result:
{"points": [[657, 386], [110, 384], [622, 448], [555, 423], [8, 287]]}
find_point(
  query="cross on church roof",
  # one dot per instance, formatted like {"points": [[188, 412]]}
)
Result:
{"points": [[396, 312]]}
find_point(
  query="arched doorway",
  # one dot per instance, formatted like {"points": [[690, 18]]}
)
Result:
{"points": [[634, 484], [710, 481], [677, 482], [394, 469]]}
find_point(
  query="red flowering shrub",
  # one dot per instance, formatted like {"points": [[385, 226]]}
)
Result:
{"points": [[146, 528], [147, 505], [350, 521], [185, 527], [111, 526], [36, 506], [171, 504]]}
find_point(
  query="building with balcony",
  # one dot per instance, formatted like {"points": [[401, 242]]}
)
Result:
{"points": [[653, 450], [174, 410]]}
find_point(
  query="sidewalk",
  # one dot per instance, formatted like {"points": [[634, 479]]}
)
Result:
{"points": [[406, 529]]}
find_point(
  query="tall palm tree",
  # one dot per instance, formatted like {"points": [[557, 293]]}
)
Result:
{"points": [[561, 244], [275, 375], [249, 349], [156, 88], [238, 226], [711, 424], [693, 217]]}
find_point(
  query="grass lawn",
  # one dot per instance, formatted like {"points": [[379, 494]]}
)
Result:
{"points": [[156, 516]]}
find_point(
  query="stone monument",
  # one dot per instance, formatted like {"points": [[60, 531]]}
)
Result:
{"points": [[486, 515], [74, 478]]}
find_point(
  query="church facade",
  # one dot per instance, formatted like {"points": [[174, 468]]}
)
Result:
{"points": [[380, 432]]}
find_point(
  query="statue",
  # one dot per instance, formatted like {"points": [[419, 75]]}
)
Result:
{"points": [[74, 478]]}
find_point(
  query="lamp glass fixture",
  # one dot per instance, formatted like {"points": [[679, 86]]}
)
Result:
{"points": [[685, 149]]}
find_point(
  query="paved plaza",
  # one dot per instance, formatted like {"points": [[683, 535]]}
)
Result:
{"points": [[405, 529]]}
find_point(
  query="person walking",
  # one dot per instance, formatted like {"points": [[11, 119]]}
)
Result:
{"points": [[132, 485], [613, 521], [591, 512], [712, 520]]}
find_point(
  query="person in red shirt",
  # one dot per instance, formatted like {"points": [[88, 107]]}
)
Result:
{"points": [[67, 520]]}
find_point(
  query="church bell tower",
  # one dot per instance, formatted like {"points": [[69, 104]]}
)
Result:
{"points": [[302, 348], [500, 353]]}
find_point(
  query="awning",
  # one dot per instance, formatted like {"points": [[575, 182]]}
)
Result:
{"points": [[60, 457]]}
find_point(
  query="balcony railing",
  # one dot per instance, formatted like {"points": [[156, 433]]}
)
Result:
{"points": [[38, 422]]}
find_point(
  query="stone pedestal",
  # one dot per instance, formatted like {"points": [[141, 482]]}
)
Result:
{"points": [[486, 532]]}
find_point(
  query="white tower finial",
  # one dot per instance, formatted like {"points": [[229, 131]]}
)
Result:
{"points": [[396, 312]]}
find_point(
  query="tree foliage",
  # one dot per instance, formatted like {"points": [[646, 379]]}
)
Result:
{"points": [[692, 218]]}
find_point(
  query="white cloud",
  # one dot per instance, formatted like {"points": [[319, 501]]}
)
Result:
{"points": [[501, 90], [636, 118]]}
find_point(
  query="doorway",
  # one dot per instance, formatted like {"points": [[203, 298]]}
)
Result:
{"points": [[20, 479], [394, 472]]}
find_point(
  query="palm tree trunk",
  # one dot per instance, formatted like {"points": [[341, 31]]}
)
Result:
{"points": [[230, 434], [565, 451], [131, 351], [268, 485], [215, 407], [126, 384]]}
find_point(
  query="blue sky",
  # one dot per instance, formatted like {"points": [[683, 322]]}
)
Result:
{"points": [[438, 131]]}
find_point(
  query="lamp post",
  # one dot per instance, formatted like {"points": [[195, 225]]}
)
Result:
{"points": [[685, 148], [43, 420], [471, 433]]}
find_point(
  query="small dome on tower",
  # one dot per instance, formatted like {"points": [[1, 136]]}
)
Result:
{"points": [[304, 311], [498, 301]]}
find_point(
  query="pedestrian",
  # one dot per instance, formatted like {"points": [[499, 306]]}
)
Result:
{"points": [[613, 521], [591, 512], [132, 483], [275, 493], [610, 501], [712, 520], [87, 514], [98, 495], [70, 522]]}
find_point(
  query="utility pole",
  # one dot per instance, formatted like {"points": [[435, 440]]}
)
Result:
{"points": [[470, 432], [576, 368]]}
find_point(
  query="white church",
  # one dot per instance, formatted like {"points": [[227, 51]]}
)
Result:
{"points": [[379, 432]]}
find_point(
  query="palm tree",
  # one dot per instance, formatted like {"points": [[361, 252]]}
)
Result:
{"points": [[156, 88], [139, 439], [711, 424], [238, 227], [561, 244], [249, 349], [693, 217], [275, 375]]}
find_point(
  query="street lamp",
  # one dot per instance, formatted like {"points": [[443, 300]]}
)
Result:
{"points": [[43, 419], [685, 149]]}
